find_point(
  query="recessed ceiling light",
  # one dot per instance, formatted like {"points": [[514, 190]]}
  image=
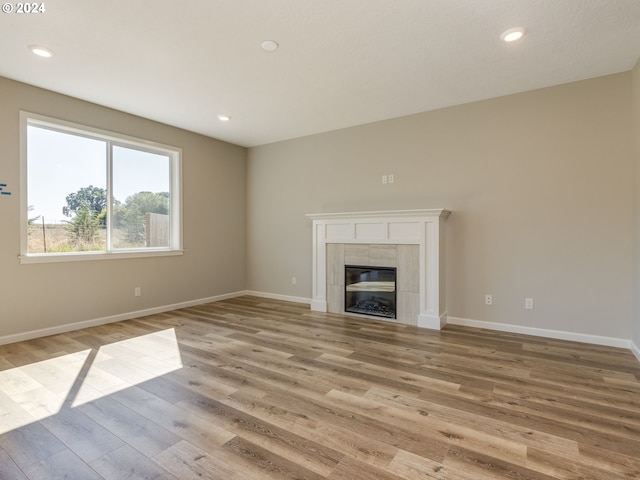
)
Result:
{"points": [[512, 34], [270, 45], [224, 118], [41, 51]]}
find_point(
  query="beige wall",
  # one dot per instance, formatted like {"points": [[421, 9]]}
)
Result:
{"points": [[636, 133], [41, 296], [540, 185]]}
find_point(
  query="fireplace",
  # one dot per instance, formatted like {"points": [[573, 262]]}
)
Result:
{"points": [[418, 239], [370, 290]]}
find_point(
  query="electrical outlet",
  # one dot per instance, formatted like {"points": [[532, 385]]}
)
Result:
{"points": [[294, 280], [528, 303], [391, 178], [137, 292], [384, 179], [488, 299]]}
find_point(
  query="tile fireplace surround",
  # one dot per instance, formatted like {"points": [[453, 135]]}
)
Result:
{"points": [[370, 238]]}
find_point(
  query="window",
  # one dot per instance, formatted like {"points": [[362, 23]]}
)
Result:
{"points": [[87, 193]]}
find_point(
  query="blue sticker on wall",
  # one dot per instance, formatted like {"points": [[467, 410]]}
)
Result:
{"points": [[2, 189]]}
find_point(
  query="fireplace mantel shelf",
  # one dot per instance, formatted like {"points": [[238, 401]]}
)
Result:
{"points": [[423, 227], [380, 214]]}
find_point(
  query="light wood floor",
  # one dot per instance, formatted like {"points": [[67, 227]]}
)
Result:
{"points": [[261, 389]]}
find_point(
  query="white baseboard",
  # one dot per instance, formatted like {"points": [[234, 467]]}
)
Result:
{"points": [[542, 332], [20, 337], [503, 327], [276, 296], [635, 350]]}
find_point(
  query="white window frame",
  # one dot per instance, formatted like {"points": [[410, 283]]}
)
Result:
{"points": [[175, 179]]}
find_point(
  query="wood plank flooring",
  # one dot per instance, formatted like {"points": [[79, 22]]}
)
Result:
{"points": [[251, 388]]}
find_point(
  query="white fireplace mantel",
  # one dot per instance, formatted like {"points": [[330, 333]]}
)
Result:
{"points": [[424, 228]]}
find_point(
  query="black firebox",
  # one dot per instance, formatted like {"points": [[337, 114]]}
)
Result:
{"points": [[370, 290]]}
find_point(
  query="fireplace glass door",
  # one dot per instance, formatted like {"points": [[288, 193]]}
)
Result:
{"points": [[370, 290]]}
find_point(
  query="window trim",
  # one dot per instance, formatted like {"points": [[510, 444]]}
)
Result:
{"points": [[175, 178]]}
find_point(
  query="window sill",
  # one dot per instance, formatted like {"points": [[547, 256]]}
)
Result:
{"points": [[89, 256]]}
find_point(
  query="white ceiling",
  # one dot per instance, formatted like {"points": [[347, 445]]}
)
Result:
{"points": [[340, 62]]}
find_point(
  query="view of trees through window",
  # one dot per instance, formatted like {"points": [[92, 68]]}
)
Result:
{"points": [[94, 195]]}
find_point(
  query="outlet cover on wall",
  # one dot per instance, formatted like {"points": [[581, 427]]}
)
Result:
{"points": [[488, 299], [528, 303]]}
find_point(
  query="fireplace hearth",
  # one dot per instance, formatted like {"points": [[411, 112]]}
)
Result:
{"points": [[370, 290]]}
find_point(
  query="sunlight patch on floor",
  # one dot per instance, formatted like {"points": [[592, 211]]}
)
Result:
{"points": [[38, 390], [41, 389], [130, 362]]}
